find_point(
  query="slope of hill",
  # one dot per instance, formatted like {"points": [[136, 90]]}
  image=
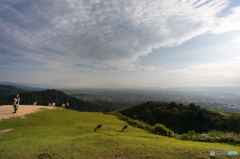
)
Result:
{"points": [[182, 118], [51, 96], [69, 134], [6, 90]]}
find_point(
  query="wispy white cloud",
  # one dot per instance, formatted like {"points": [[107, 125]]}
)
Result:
{"points": [[228, 23], [221, 70], [103, 34], [149, 68], [237, 39]]}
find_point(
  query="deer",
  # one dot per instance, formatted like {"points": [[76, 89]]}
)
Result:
{"points": [[125, 127], [98, 127]]}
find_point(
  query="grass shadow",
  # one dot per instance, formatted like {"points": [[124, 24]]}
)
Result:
{"points": [[44, 156]]}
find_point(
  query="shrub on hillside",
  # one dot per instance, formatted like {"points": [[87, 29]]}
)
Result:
{"points": [[160, 129], [185, 137], [191, 135], [211, 136], [135, 123]]}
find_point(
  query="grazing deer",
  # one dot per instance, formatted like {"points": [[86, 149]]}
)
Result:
{"points": [[98, 127], [125, 127]]}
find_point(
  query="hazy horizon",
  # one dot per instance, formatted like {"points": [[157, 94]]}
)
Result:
{"points": [[123, 87], [71, 43]]}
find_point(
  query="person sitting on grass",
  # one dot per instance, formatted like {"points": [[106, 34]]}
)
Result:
{"points": [[63, 106]]}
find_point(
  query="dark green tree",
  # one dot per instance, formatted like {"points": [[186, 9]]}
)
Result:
{"points": [[145, 114], [193, 107]]}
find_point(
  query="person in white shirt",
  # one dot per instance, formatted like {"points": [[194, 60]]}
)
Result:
{"points": [[67, 105], [17, 102]]}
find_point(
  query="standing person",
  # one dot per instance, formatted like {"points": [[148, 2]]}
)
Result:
{"points": [[67, 105], [14, 104], [17, 102]]}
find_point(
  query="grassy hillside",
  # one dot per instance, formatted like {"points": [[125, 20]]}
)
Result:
{"points": [[51, 96], [6, 90], [182, 118], [69, 134]]}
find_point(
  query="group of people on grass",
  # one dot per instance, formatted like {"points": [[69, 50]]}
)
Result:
{"points": [[16, 101], [65, 106], [52, 104]]}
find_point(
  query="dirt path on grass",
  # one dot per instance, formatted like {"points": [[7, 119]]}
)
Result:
{"points": [[6, 111]]}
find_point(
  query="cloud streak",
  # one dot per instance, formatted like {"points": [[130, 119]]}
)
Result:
{"points": [[230, 69], [103, 34]]}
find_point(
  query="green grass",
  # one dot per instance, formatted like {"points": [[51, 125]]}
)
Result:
{"points": [[69, 134]]}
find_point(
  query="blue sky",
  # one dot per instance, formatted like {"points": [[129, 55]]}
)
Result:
{"points": [[74, 43]]}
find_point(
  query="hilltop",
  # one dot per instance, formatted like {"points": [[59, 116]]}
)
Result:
{"points": [[69, 134], [6, 90], [6, 111], [51, 96], [182, 118]]}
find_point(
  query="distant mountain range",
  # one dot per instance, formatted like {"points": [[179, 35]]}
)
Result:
{"points": [[40, 87], [225, 89], [29, 95], [6, 90], [52, 96], [206, 89], [21, 86]]}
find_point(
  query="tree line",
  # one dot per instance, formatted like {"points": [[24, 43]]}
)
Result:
{"points": [[182, 118]]}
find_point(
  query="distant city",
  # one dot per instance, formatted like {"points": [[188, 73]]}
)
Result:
{"points": [[223, 99], [217, 98]]}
